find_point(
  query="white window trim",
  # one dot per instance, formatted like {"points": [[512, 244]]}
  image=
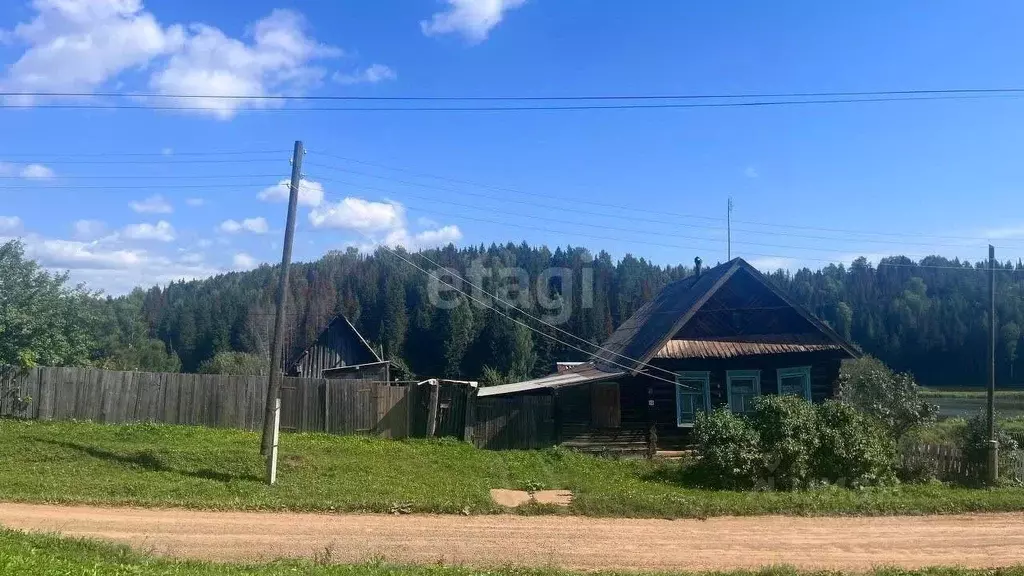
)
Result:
{"points": [[804, 371], [737, 374], [704, 376]]}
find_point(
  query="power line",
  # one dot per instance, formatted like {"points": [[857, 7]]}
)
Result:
{"points": [[548, 324], [563, 221], [577, 201], [236, 186], [168, 160], [517, 321], [151, 177], [664, 245], [299, 97], [582, 107], [46, 155]]}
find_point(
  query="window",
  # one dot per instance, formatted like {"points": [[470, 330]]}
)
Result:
{"points": [[743, 386], [795, 381], [693, 395]]}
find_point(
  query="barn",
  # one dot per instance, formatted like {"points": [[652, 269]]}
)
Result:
{"points": [[340, 351], [720, 337]]}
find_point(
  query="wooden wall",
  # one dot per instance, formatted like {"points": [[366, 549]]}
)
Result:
{"points": [[514, 422], [338, 345]]}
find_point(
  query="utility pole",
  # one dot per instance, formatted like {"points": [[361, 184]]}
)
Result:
{"points": [[268, 445], [728, 229], [993, 445]]}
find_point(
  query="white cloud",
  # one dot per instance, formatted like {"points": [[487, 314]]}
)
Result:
{"points": [[37, 172], [1005, 233], [277, 60], [195, 202], [253, 225], [78, 45], [243, 261], [10, 224], [426, 239], [191, 258], [751, 172], [84, 45], [89, 229], [54, 253], [371, 75], [153, 205], [358, 214], [162, 231], [204, 243], [27, 171], [310, 193], [773, 263], [426, 222], [167, 151], [474, 19]]}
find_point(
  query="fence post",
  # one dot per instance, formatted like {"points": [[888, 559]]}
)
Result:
{"points": [[435, 394], [467, 435]]}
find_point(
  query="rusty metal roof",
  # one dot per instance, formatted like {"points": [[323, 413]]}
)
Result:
{"points": [[746, 346]]}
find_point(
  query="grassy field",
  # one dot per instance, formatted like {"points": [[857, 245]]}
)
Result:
{"points": [[966, 402], [191, 467], [44, 555]]}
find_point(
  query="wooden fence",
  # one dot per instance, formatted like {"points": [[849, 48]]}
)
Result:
{"points": [[519, 422], [307, 404], [334, 406]]}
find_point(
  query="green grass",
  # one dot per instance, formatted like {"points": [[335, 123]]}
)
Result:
{"points": [[45, 555], [950, 430], [191, 467], [1001, 395]]}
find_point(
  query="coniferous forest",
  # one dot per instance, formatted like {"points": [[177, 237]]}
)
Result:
{"points": [[929, 317]]}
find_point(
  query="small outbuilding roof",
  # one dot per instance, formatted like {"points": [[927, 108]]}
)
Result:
{"points": [[582, 374]]}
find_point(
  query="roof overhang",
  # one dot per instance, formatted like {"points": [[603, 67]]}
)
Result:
{"points": [[585, 374]]}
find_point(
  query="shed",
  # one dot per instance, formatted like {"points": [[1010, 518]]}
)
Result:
{"points": [[339, 345]]}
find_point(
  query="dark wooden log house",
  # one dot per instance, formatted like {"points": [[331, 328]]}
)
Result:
{"points": [[717, 338]]}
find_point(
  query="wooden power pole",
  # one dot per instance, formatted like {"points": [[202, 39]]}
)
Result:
{"points": [[268, 445], [993, 445]]}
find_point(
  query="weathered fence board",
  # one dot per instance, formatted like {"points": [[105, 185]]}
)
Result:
{"points": [[524, 422]]}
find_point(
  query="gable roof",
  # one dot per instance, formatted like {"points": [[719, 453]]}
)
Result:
{"points": [[338, 318], [647, 331]]}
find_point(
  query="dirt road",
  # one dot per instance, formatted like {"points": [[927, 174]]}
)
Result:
{"points": [[981, 540]]}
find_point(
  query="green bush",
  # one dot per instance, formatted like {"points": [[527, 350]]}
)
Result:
{"points": [[788, 429], [787, 443], [974, 443], [729, 449], [853, 449], [873, 388]]}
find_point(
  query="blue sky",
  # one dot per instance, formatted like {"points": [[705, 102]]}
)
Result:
{"points": [[125, 197]]}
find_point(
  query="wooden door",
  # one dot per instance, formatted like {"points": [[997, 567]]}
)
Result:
{"points": [[604, 405]]}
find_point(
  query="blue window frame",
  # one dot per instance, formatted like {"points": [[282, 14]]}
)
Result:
{"points": [[693, 395], [742, 386], [795, 381]]}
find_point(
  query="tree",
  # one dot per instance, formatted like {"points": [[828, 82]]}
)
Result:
{"points": [[43, 321], [873, 388], [456, 331]]}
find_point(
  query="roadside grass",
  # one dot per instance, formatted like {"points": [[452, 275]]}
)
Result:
{"points": [[47, 555], [190, 467], [971, 392], [948, 431]]}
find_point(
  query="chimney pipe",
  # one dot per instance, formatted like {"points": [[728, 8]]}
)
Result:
{"points": [[696, 265]]}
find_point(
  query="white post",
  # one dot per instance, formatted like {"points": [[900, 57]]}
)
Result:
{"points": [[272, 455]]}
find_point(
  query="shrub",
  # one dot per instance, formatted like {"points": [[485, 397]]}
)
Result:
{"points": [[787, 443], [788, 429], [870, 386], [729, 450], [974, 443], [853, 448], [915, 466], [236, 364]]}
